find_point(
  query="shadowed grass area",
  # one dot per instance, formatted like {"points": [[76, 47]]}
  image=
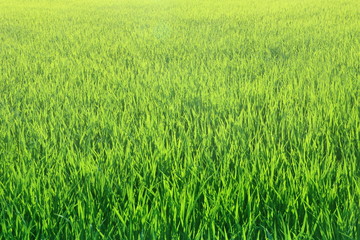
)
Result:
{"points": [[179, 119]]}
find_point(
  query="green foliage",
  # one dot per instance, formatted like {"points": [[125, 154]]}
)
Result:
{"points": [[154, 119]]}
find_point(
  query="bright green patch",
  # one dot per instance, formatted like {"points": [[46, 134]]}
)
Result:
{"points": [[180, 119]]}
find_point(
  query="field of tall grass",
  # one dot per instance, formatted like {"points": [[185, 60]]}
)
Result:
{"points": [[179, 119]]}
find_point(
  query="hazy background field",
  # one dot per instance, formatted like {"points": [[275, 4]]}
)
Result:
{"points": [[180, 119]]}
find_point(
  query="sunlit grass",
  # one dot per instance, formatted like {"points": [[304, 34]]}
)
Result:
{"points": [[179, 120]]}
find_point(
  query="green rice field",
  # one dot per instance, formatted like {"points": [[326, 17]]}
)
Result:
{"points": [[179, 119]]}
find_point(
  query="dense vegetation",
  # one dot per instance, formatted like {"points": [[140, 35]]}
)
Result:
{"points": [[155, 119]]}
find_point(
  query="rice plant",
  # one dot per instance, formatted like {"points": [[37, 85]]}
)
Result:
{"points": [[178, 119]]}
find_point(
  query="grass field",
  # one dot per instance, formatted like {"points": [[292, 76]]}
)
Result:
{"points": [[176, 119]]}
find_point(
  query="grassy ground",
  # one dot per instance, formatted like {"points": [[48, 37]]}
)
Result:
{"points": [[180, 119]]}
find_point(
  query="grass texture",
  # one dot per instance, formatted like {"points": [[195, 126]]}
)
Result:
{"points": [[161, 119]]}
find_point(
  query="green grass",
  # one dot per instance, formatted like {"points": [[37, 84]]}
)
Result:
{"points": [[154, 119]]}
